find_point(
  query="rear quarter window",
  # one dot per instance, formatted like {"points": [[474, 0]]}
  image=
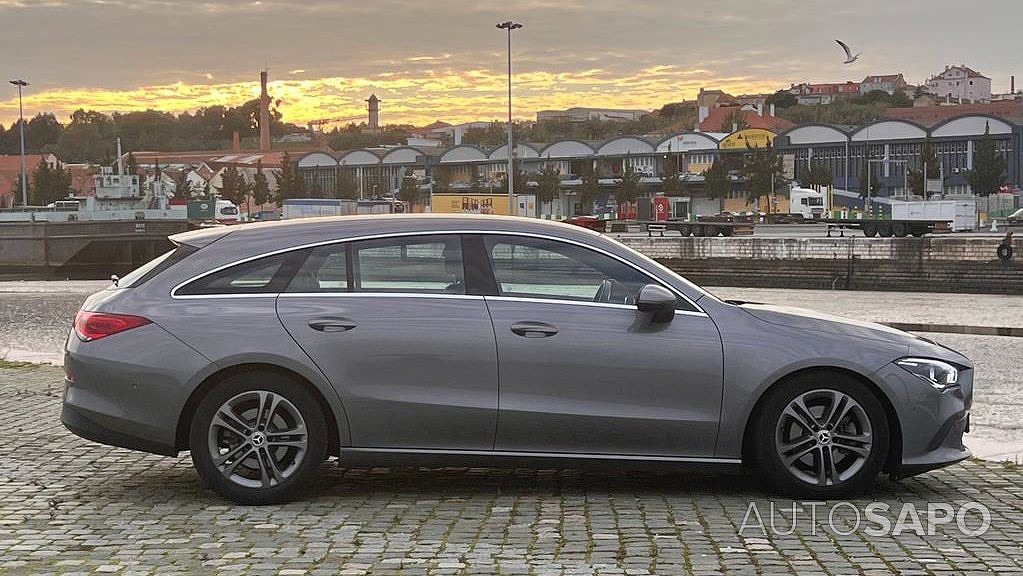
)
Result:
{"points": [[156, 266], [267, 275]]}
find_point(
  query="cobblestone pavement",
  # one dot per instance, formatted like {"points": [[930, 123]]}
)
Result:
{"points": [[68, 506]]}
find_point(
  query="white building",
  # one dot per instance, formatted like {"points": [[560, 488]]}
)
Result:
{"points": [[960, 84]]}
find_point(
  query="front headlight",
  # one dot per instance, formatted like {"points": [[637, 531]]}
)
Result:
{"points": [[939, 374]]}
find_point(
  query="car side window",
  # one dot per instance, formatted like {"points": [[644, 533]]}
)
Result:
{"points": [[266, 275], [539, 268], [417, 264], [325, 270]]}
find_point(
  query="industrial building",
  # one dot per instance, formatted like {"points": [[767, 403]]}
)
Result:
{"points": [[894, 146], [379, 171]]}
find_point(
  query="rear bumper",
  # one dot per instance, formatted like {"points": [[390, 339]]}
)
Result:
{"points": [[100, 428]]}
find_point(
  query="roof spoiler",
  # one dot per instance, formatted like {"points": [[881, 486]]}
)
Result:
{"points": [[201, 237]]}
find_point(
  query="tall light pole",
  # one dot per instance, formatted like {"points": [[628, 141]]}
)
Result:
{"points": [[509, 26], [21, 117]]}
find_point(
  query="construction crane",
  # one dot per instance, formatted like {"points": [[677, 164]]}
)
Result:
{"points": [[319, 123]]}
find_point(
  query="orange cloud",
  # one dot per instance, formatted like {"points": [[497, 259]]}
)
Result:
{"points": [[408, 97]]}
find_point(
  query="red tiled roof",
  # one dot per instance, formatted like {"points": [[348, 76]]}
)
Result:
{"points": [[714, 120], [930, 115], [10, 167]]}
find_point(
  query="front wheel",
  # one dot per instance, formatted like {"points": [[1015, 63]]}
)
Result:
{"points": [[257, 437], [821, 435]]}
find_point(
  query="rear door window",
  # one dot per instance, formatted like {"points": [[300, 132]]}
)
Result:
{"points": [[413, 264]]}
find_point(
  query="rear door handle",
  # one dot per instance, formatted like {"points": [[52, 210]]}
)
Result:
{"points": [[332, 324], [531, 329]]}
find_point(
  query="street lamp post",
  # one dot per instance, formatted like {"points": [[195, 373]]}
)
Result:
{"points": [[21, 117], [509, 26]]}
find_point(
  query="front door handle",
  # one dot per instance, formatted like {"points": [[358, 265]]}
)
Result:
{"points": [[331, 324], [530, 329]]}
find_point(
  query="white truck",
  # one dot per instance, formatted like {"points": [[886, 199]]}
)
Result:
{"points": [[807, 202]]}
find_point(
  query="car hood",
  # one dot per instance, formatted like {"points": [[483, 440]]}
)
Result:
{"points": [[804, 319]]}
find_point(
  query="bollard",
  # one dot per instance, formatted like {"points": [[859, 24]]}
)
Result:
{"points": [[994, 225]]}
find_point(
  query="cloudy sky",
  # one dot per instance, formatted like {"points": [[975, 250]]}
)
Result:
{"points": [[443, 59]]}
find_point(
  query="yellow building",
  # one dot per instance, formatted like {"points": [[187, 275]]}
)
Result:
{"points": [[747, 138]]}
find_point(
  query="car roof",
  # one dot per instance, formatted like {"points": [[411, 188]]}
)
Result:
{"points": [[341, 227]]}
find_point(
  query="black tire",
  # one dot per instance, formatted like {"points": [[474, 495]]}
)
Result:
{"points": [[685, 230], [766, 432], [899, 229], [698, 230], [727, 231], [869, 229], [884, 230], [711, 231], [299, 398]]}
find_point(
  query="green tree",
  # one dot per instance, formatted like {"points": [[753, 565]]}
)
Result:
{"points": [[916, 175], [290, 183], [345, 185], [762, 168], [233, 186], [260, 186], [589, 188], [671, 179], [629, 185], [716, 182], [410, 192], [49, 184], [816, 175], [131, 166], [782, 99], [988, 173], [441, 178], [548, 186]]}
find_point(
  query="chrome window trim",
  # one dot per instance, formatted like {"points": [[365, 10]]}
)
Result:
{"points": [[697, 309], [631, 307], [377, 295]]}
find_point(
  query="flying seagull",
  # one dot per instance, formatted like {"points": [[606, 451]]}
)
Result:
{"points": [[849, 58]]}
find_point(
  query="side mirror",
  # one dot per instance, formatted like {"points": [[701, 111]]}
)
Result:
{"points": [[658, 301]]}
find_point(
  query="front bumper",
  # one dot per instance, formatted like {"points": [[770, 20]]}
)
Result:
{"points": [[932, 422]]}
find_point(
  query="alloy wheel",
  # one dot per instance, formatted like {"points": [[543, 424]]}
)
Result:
{"points": [[823, 437], [257, 439]]}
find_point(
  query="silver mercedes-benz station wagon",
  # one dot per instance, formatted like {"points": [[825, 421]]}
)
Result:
{"points": [[264, 349]]}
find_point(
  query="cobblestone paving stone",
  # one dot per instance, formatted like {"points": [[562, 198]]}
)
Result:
{"points": [[68, 506]]}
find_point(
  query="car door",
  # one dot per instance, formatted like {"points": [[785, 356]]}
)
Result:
{"points": [[583, 371], [389, 323]]}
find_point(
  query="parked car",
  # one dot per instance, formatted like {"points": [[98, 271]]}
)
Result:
{"points": [[1016, 217], [264, 349]]}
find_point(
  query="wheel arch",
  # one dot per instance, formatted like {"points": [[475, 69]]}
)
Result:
{"points": [[895, 427], [211, 381]]}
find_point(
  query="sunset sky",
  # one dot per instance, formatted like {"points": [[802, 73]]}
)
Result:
{"points": [[444, 60]]}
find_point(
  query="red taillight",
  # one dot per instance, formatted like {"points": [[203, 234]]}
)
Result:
{"points": [[95, 325]]}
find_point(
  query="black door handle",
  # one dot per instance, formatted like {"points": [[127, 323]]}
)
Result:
{"points": [[530, 329], [332, 324]]}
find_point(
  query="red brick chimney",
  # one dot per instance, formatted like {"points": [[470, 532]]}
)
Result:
{"points": [[264, 114]]}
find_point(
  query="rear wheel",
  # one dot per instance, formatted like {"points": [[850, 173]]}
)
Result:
{"points": [[257, 437], [899, 229], [710, 231], [884, 229], [821, 435], [869, 229]]}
